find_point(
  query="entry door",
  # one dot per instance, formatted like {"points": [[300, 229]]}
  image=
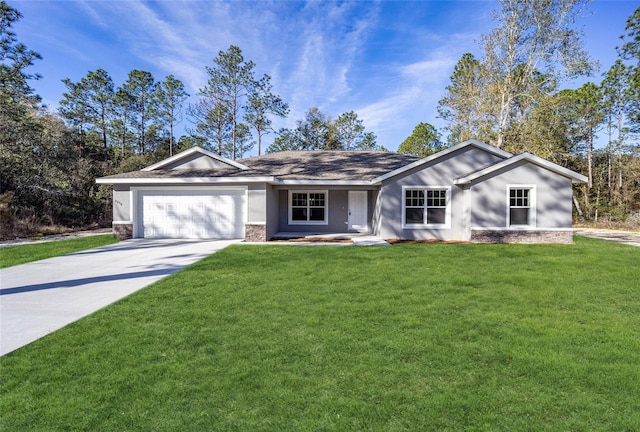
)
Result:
{"points": [[358, 211]]}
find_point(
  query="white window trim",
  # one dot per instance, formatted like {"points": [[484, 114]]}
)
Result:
{"points": [[446, 225], [326, 208], [532, 206]]}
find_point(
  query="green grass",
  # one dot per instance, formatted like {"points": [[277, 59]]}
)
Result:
{"points": [[14, 255], [410, 337]]}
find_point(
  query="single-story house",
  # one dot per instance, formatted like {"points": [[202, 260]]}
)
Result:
{"points": [[468, 192]]}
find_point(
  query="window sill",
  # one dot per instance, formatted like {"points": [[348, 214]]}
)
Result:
{"points": [[308, 223], [426, 226]]}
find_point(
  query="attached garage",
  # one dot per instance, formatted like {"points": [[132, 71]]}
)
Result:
{"points": [[190, 213]]}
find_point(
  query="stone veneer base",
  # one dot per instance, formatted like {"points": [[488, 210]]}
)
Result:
{"points": [[255, 233], [527, 237], [123, 231]]}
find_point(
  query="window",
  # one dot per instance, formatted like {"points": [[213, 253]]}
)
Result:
{"points": [[521, 206], [308, 207], [426, 206]]}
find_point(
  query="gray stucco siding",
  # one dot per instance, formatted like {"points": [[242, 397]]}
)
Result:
{"points": [[197, 161], [256, 204], [438, 173], [489, 202], [121, 204], [273, 208], [337, 213], [389, 221]]}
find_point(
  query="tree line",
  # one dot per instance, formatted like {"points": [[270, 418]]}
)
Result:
{"points": [[510, 97]]}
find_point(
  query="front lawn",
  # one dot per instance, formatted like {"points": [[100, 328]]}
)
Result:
{"points": [[410, 337], [20, 254]]}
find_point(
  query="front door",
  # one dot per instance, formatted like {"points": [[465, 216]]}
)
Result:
{"points": [[358, 211]]}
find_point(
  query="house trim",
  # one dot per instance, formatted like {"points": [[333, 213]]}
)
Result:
{"points": [[532, 206], [323, 182], [446, 225], [185, 180], [308, 222]]}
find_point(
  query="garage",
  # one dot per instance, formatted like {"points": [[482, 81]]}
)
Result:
{"points": [[191, 213]]}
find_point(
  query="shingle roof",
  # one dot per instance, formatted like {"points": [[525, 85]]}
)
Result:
{"points": [[295, 165], [327, 165]]}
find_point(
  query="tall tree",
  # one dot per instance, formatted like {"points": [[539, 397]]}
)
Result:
{"points": [[586, 109], [350, 133], [213, 123], [311, 133], [170, 96], [262, 103], [424, 141], [140, 87], [532, 47], [15, 58], [630, 50], [532, 40], [318, 131], [617, 95], [244, 140], [466, 102], [230, 82], [123, 103], [88, 104]]}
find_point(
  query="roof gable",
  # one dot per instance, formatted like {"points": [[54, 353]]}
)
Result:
{"points": [[192, 154], [528, 157], [472, 142]]}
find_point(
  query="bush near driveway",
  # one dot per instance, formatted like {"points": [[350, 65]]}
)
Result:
{"points": [[409, 337]]}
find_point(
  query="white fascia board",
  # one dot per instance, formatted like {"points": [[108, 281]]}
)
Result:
{"points": [[191, 151], [472, 142], [186, 180], [577, 178], [325, 182]]}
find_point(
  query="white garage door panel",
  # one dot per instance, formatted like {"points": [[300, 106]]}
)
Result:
{"points": [[191, 214]]}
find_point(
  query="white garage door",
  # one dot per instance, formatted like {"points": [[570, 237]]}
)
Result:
{"points": [[192, 214]]}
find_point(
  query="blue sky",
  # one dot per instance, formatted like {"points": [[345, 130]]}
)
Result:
{"points": [[389, 61]]}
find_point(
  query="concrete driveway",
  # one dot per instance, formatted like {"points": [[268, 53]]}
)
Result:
{"points": [[40, 297], [631, 238]]}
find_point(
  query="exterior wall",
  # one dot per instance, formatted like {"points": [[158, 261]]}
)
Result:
{"points": [[255, 229], [372, 196], [489, 205], [122, 204], [197, 161], [375, 212], [337, 210], [439, 172], [257, 204], [272, 196]]}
